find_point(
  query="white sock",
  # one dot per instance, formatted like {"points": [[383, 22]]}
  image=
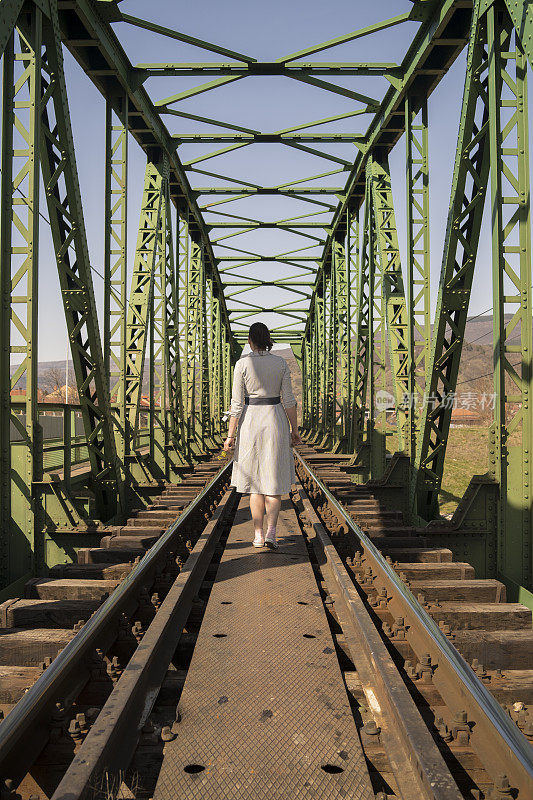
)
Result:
{"points": [[271, 533], [258, 533]]}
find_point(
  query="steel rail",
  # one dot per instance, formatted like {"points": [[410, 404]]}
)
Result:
{"points": [[490, 713], [110, 744], [29, 714], [407, 741]]}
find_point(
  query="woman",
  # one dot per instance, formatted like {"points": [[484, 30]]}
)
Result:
{"points": [[263, 465]]}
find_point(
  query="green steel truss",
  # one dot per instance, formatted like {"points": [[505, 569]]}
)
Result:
{"points": [[148, 256], [392, 288], [513, 311], [378, 374], [58, 164], [115, 259]]}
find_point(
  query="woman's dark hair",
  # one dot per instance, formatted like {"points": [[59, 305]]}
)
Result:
{"points": [[260, 336]]}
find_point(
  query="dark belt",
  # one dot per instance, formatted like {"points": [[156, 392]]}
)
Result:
{"points": [[262, 401]]}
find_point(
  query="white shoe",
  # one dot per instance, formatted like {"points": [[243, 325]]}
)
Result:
{"points": [[271, 544], [259, 540]]}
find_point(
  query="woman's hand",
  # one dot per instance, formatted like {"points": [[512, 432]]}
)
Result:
{"points": [[295, 437], [229, 444]]}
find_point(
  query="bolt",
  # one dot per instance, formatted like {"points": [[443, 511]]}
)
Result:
{"points": [[424, 669], [114, 669], [81, 719], [502, 787], [75, 733], [442, 728], [410, 670], [461, 728], [138, 631]]}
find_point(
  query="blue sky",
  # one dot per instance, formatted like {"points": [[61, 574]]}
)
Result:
{"points": [[265, 31]]}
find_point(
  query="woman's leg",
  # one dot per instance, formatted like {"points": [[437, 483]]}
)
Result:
{"points": [[272, 506], [257, 507]]}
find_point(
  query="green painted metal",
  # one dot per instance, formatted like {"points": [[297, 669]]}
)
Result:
{"points": [[58, 162], [363, 338], [377, 345], [340, 300], [418, 258], [173, 408], [341, 282], [6, 182], [141, 297], [469, 186], [194, 343], [512, 318], [21, 118], [392, 290], [115, 262]]}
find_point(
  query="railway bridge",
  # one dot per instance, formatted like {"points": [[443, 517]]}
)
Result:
{"points": [[146, 649]]}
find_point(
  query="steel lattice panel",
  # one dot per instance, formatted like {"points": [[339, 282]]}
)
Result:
{"points": [[264, 708]]}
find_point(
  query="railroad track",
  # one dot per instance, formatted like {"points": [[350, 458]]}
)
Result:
{"points": [[66, 644], [104, 719], [457, 646]]}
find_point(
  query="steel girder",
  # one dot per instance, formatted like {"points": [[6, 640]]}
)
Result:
{"points": [[392, 290], [512, 439], [141, 294], [418, 258], [341, 281], [21, 138], [171, 341], [70, 243], [115, 261], [362, 356], [206, 346], [469, 187]]}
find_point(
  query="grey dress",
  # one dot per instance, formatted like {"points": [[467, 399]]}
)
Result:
{"points": [[262, 461]]}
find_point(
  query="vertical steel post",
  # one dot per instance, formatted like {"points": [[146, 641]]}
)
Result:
{"points": [[115, 262], [418, 258], [6, 221], [363, 332], [194, 334], [330, 364], [392, 290], [183, 316], [174, 405], [159, 310], [512, 442], [141, 292], [342, 337], [65, 212], [21, 132], [469, 185], [377, 348]]}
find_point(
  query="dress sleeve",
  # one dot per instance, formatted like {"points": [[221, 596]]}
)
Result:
{"points": [[237, 395], [287, 396]]}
